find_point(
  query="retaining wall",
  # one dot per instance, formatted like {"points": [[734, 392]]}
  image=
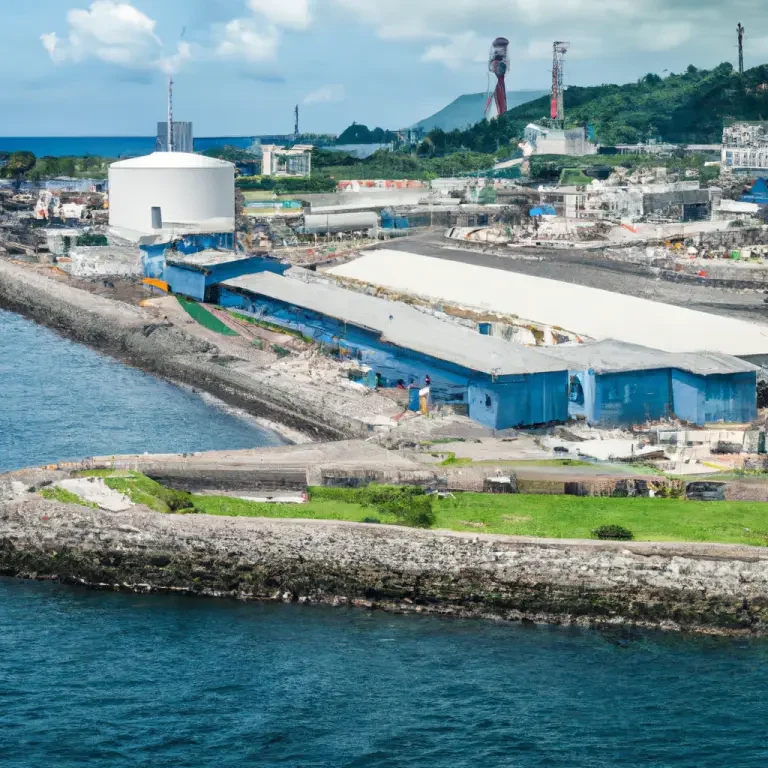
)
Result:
{"points": [[710, 588]]}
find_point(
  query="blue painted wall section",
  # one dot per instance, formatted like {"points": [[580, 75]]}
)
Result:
{"points": [[710, 399], [515, 401], [196, 282], [154, 256], [632, 397], [623, 399], [499, 402]]}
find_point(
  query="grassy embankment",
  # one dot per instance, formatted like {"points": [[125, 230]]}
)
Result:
{"points": [[545, 516], [204, 317], [66, 497]]}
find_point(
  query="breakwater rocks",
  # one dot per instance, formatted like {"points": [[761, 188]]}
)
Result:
{"points": [[709, 588], [123, 331]]}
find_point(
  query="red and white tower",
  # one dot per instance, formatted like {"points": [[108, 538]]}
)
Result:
{"points": [[498, 64], [557, 112]]}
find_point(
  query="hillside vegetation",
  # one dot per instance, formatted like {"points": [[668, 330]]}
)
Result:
{"points": [[687, 108]]}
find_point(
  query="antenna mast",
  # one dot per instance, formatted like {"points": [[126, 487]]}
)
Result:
{"points": [[740, 31], [170, 113], [296, 124], [557, 111]]}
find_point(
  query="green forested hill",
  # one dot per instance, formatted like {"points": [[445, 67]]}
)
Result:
{"points": [[687, 108]]}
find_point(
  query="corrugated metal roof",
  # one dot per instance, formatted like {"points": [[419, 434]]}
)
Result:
{"points": [[611, 356], [404, 326]]}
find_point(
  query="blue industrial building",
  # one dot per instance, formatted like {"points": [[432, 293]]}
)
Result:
{"points": [[154, 254], [502, 384], [758, 194], [196, 274], [617, 384]]}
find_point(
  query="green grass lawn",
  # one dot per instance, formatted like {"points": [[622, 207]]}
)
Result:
{"points": [[54, 493], [567, 517]]}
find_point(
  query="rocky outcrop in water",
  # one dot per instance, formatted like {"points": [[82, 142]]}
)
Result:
{"points": [[711, 588]]}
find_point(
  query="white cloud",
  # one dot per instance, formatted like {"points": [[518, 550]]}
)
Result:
{"points": [[663, 37], [458, 51], [452, 31], [246, 40], [114, 32], [291, 14], [326, 94]]}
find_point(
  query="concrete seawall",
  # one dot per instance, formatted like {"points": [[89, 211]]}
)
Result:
{"points": [[707, 588], [123, 331]]}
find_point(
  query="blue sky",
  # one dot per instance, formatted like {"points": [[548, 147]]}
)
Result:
{"points": [[76, 67]]}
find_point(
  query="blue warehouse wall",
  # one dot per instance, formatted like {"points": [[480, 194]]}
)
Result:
{"points": [[153, 256], [631, 397], [710, 399], [197, 283], [187, 282], [514, 401]]}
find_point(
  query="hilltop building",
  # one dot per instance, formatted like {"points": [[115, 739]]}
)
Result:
{"points": [[745, 147], [539, 140]]}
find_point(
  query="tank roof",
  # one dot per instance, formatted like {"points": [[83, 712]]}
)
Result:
{"points": [[172, 160]]}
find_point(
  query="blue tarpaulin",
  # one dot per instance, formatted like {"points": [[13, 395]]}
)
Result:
{"points": [[543, 210]]}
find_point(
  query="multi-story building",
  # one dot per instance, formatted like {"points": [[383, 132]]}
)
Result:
{"points": [[745, 147]]}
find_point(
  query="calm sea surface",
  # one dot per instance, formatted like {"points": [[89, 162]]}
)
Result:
{"points": [[60, 400], [126, 681], [106, 146], [99, 679]]}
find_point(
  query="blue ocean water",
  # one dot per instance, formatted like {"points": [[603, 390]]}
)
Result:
{"points": [[101, 679], [108, 146], [61, 400]]}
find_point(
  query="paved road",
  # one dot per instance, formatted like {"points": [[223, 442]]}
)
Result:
{"points": [[581, 269]]}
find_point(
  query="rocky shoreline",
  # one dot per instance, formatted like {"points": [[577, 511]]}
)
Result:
{"points": [[125, 332], [716, 589]]}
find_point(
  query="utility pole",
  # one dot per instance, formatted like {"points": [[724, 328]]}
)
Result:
{"points": [[740, 33]]}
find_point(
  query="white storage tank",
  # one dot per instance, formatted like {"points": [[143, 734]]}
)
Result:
{"points": [[193, 193]]}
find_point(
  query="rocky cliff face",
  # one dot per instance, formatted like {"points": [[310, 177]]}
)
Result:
{"points": [[712, 588]]}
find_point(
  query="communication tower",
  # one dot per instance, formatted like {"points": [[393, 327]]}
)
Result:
{"points": [[557, 112], [740, 32]]}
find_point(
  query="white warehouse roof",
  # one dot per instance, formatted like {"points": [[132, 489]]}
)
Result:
{"points": [[172, 160], [592, 312], [403, 326]]}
